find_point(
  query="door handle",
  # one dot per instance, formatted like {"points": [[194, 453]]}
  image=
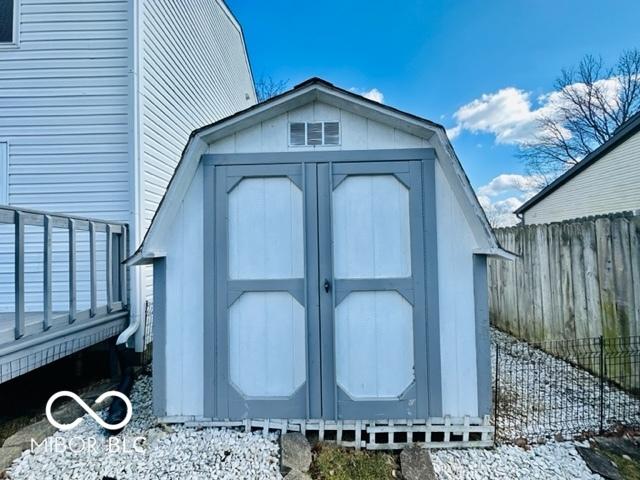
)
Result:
{"points": [[327, 285]]}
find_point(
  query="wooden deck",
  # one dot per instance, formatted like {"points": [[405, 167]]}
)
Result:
{"points": [[30, 339]]}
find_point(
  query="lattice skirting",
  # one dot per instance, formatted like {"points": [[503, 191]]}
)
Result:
{"points": [[446, 432]]}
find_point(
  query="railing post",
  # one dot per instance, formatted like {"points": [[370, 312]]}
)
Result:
{"points": [[602, 376], [72, 270], [46, 281], [109, 268], [92, 269], [19, 275]]}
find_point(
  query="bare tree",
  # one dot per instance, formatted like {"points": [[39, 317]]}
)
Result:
{"points": [[267, 87], [589, 104]]}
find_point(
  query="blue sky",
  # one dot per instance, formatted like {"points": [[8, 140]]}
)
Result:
{"points": [[432, 58]]}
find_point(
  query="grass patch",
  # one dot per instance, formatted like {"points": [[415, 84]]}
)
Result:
{"points": [[334, 463], [628, 468], [9, 427]]}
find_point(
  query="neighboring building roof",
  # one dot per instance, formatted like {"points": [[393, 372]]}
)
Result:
{"points": [[305, 92], [626, 130]]}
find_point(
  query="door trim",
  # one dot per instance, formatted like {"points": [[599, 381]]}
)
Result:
{"points": [[332, 156]]}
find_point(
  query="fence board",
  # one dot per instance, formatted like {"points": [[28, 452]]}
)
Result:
{"points": [[591, 279], [567, 317], [581, 315], [622, 274], [605, 274], [574, 279]]}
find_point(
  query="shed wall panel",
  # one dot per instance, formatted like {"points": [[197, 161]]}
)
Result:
{"points": [[457, 308], [185, 293]]}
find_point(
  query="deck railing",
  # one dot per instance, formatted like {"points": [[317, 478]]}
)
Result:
{"points": [[113, 276]]}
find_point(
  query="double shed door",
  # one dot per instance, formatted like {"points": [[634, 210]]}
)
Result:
{"points": [[320, 308]]}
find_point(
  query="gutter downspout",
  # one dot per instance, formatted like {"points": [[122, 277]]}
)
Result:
{"points": [[136, 184]]}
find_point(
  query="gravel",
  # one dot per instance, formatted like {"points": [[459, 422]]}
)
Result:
{"points": [[146, 450], [553, 461]]}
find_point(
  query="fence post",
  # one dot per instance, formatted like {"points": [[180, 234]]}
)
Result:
{"points": [[602, 374], [496, 396]]}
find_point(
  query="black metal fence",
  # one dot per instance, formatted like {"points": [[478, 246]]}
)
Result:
{"points": [[566, 387], [148, 333]]}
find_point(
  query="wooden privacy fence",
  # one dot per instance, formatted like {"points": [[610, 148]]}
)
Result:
{"points": [[575, 279]]}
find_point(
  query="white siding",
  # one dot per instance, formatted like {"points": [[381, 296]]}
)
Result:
{"points": [[64, 122], [357, 133], [185, 294], [63, 108], [194, 72], [611, 184]]}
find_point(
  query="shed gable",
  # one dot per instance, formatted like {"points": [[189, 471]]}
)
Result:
{"points": [[356, 133]]}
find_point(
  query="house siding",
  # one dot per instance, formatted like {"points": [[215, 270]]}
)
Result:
{"points": [[63, 108], [609, 185], [64, 120], [194, 71]]}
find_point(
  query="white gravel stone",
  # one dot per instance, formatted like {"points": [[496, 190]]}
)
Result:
{"points": [[163, 453], [552, 461]]}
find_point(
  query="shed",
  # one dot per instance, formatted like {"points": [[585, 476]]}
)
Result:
{"points": [[320, 256]]}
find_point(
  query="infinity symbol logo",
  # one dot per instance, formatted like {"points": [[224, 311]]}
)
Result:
{"points": [[86, 408]]}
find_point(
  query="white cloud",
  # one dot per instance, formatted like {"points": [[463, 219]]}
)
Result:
{"points": [[504, 194], [506, 114], [453, 132], [373, 94], [506, 182], [500, 213], [510, 114]]}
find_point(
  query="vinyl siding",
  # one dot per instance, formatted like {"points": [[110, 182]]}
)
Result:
{"points": [[63, 108], [609, 185], [64, 120], [194, 72]]}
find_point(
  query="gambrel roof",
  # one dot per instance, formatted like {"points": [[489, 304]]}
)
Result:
{"points": [[316, 89]]}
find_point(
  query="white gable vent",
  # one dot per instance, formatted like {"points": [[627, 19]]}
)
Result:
{"points": [[314, 133]]}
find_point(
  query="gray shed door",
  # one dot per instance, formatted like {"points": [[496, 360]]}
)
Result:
{"points": [[320, 291]]}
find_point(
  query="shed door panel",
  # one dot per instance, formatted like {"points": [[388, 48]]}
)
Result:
{"points": [[260, 245], [375, 314]]}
